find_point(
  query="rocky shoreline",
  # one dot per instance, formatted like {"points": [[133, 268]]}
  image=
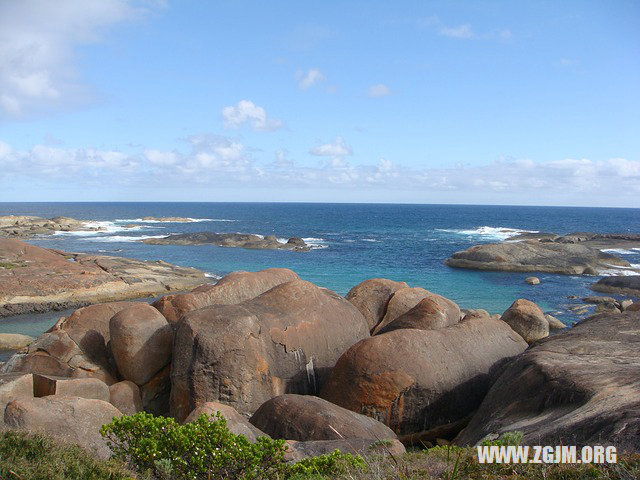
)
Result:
{"points": [[573, 254], [35, 279], [282, 357], [238, 240], [23, 226]]}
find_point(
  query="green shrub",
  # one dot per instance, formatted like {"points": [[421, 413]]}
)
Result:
{"points": [[202, 449], [329, 464], [506, 439]]}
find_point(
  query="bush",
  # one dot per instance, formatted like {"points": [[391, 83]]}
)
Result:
{"points": [[506, 439], [206, 449], [201, 449]]}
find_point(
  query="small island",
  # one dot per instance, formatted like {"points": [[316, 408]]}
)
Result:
{"points": [[238, 240]]}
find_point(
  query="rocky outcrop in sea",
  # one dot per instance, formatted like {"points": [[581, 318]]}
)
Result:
{"points": [[238, 240]]}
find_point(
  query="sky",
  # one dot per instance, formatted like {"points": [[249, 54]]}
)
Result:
{"points": [[475, 102]]}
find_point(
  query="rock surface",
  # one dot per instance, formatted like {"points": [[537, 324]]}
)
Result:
{"points": [[536, 256], [141, 342], [44, 385], [283, 341], [297, 451], [236, 423], [622, 284], [27, 226], [532, 280], [14, 341], [580, 387], [372, 296], [26, 273], [431, 313], [526, 319], [69, 419], [305, 417], [241, 240], [416, 380], [13, 386], [125, 396], [233, 288]]}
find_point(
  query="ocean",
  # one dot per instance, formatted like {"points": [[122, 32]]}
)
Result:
{"points": [[351, 242]]}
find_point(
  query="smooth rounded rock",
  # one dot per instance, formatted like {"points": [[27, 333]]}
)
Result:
{"points": [[526, 318], [125, 396], [372, 296], [236, 423], [141, 342]]}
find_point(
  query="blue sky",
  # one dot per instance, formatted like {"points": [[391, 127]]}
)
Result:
{"points": [[420, 102]]}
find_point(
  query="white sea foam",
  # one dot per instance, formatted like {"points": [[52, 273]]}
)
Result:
{"points": [[212, 275], [369, 240], [621, 251], [632, 269], [189, 220], [101, 228], [499, 233], [315, 243]]}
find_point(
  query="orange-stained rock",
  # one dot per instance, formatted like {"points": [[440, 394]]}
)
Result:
{"points": [[372, 296], [415, 380], [125, 396], [526, 318], [285, 340], [431, 313], [234, 288]]}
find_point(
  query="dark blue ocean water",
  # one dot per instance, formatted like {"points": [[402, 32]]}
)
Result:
{"points": [[354, 242]]}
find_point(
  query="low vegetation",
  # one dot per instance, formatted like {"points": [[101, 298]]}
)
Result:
{"points": [[157, 448]]}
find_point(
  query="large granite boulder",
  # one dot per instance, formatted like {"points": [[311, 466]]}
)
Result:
{"points": [[305, 417], [579, 387], [417, 380], [431, 313], [12, 386], [372, 296], [234, 288], [125, 396], [536, 256], [55, 353], [526, 318], [621, 284], [69, 419], [14, 341], [283, 341], [141, 342], [236, 423]]}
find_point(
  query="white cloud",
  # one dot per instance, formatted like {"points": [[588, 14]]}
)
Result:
{"points": [[461, 31], [337, 149], [309, 78], [247, 112], [379, 90], [38, 39]]}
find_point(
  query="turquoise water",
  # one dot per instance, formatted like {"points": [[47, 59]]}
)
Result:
{"points": [[352, 242]]}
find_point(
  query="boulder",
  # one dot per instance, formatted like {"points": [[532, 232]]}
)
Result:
{"points": [[13, 386], [125, 396], [372, 296], [579, 387], [634, 307], [141, 342], [297, 451], [621, 284], [236, 423], [231, 289], [610, 307], [554, 323], [431, 313], [532, 280], [526, 318], [283, 341], [536, 256], [69, 419], [305, 417], [44, 385], [625, 304], [55, 353], [403, 300], [477, 313], [14, 341], [416, 380]]}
